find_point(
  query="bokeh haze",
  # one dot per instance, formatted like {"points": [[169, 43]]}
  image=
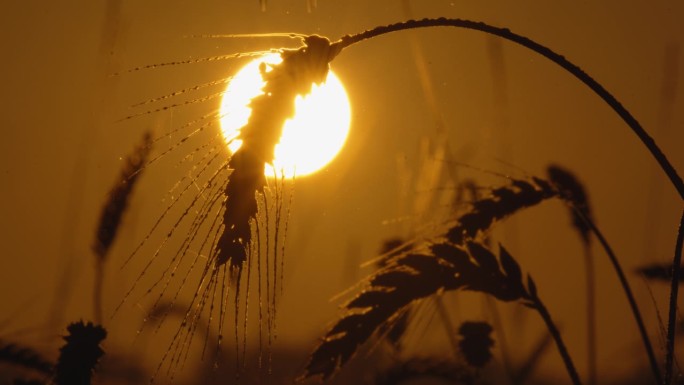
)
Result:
{"points": [[423, 103]]}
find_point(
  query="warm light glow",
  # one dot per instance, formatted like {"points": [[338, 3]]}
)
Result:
{"points": [[310, 140]]}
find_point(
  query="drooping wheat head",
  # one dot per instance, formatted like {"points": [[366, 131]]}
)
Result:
{"points": [[455, 261]]}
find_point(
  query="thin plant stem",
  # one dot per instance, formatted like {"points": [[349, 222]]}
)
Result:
{"points": [[97, 290], [628, 292], [674, 289], [505, 33], [591, 313], [544, 313]]}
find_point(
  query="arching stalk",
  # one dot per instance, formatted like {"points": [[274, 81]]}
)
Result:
{"points": [[505, 33], [628, 292], [538, 305]]}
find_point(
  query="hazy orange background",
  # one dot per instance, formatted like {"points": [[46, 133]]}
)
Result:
{"points": [[63, 142]]}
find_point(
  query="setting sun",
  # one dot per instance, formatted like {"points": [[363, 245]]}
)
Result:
{"points": [[310, 140]]}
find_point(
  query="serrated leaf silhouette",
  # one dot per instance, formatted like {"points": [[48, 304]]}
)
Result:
{"points": [[408, 278]]}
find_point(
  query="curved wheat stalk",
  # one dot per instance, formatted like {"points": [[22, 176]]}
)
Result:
{"points": [[571, 190], [576, 71]]}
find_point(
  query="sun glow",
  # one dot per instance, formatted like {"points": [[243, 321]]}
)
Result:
{"points": [[310, 140]]}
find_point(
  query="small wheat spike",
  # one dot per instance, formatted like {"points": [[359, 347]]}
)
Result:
{"points": [[118, 198], [113, 211], [79, 356], [571, 190]]}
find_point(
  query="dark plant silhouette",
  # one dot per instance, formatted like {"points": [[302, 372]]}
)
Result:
{"points": [[119, 196], [476, 343], [77, 358], [416, 275], [457, 260], [26, 357], [295, 75], [572, 191], [391, 248], [112, 212], [501, 203], [657, 272], [80, 355], [573, 69]]}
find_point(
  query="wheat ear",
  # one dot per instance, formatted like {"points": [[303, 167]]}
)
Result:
{"points": [[295, 75], [414, 276], [112, 212], [80, 355]]}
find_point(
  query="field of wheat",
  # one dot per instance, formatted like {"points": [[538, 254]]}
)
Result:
{"points": [[506, 207]]}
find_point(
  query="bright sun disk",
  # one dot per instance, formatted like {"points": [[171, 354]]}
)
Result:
{"points": [[310, 140]]}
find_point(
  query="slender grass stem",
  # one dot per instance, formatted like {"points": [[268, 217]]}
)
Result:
{"points": [[97, 291], [544, 313], [628, 292], [505, 33], [591, 313], [674, 289]]}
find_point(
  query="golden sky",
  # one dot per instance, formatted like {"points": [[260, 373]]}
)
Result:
{"points": [[438, 93]]}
